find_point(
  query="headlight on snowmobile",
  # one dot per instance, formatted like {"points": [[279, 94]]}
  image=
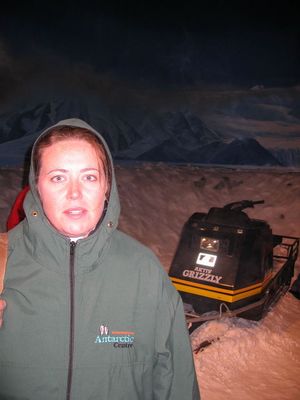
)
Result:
{"points": [[209, 244]]}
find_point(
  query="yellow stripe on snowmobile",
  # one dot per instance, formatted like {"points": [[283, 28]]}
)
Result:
{"points": [[217, 293], [221, 289]]}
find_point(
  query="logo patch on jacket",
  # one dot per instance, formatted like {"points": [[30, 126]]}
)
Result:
{"points": [[117, 339]]}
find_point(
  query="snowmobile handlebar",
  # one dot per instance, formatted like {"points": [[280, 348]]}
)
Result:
{"points": [[241, 205]]}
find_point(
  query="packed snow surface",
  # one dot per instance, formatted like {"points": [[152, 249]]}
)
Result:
{"points": [[250, 360]]}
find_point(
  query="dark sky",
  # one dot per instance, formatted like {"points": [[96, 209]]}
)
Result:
{"points": [[155, 43]]}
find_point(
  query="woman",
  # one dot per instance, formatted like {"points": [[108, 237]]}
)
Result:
{"points": [[91, 314]]}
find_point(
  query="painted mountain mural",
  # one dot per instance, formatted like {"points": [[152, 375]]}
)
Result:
{"points": [[222, 127]]}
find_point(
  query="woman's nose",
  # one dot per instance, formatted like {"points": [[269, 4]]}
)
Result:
{"points": [[74, 190]]}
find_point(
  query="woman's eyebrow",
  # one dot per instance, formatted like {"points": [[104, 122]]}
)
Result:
{"points": [[89, 169], [57, 170], [63, 170]]}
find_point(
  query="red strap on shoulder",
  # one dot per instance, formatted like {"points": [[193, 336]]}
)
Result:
{"points": [[3, 257], [17, 212]]}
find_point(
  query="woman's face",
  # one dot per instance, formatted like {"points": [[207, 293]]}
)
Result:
{"points": [[72, 186]]}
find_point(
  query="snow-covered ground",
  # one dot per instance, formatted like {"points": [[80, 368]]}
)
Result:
{"points": [[251, 360]]}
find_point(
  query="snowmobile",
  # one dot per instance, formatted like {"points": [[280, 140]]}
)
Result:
{"points": [[228, 264]]}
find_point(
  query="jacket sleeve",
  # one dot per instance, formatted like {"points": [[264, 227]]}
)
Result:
{"points": [[174, 372]]}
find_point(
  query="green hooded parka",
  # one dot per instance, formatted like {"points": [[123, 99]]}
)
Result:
{"points": [[96, 319]]}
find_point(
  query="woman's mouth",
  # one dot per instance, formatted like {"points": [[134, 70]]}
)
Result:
{"points": [[75, 213]]}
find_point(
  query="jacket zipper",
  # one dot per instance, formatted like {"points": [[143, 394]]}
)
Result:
{"points": [[71, 333]]}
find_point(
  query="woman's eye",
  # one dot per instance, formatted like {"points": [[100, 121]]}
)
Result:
{"points": [[57, 179], [90, 178]]}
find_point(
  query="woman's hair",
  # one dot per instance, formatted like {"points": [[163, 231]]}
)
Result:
{"points": [[62, 133]]}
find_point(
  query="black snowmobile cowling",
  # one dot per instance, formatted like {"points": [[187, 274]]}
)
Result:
{"points": [[227, 262]]}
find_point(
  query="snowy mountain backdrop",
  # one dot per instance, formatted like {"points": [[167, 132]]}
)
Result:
{"points": [[230, 127]]}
